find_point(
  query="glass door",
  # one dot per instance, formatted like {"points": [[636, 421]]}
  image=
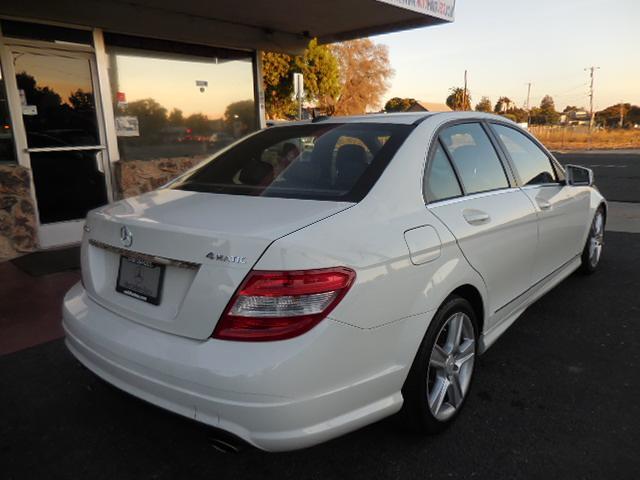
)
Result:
{"points": [[65, 147]]}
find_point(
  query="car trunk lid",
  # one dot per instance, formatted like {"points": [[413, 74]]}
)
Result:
{"points": [[204, 243]]}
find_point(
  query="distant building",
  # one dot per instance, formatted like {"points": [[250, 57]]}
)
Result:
{"points": [[575, 117], [429, 107]]}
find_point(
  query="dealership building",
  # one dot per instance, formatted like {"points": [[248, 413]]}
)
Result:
{"points": [[105, 99]]}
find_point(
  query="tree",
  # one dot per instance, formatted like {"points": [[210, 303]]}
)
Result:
{"points": [[152, 117], [547, 113], [610, 116], [277, 73], [397, 104], [241, 116], [503, 105], [458, 100], [198, 123], [519, 115], [484, 105], [321, 73], [82, 101], [364, 73], [176, 117], [633, 117], [44, 97]]}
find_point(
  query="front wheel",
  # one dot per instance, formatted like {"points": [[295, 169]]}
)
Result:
{"points": [[441, 374], [595, 241]]}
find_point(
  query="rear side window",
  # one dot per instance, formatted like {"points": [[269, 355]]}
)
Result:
{"points": [[441, 182], [532, 164], [323, 161], [474, 157]]}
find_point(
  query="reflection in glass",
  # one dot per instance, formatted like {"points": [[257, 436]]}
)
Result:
{"points": [[7, 149], [177, 105], [57, 100], [68, 184], [338, 162], [58, 110]]}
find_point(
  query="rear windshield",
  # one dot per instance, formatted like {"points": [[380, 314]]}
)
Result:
{"points": [[330, 161]]}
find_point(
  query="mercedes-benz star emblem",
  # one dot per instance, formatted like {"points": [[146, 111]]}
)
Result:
{"points": [[126, 237]]}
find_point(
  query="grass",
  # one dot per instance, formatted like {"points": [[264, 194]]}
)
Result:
{"points": [[578, 138]]}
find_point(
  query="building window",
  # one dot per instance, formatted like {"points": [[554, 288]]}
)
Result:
{"points": [[7, 146], [173, 100]]}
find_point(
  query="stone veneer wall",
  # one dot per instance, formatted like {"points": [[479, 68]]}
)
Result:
{"points": [[134, 177], [18, 232]]}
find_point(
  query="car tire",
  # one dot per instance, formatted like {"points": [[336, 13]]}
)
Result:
{"points": [[592, 252], [440, 378]]}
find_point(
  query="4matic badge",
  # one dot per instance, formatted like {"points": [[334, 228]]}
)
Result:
{"points": [[226, 258]]}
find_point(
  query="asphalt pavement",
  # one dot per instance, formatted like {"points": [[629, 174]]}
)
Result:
{"points": [[617, 173], [555, 397]]}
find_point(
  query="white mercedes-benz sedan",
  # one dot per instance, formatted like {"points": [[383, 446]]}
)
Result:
{"points": [[316, 277]]}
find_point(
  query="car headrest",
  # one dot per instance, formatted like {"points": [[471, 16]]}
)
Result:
{"points": [[465, 153], [351, 162], [256, 172]]}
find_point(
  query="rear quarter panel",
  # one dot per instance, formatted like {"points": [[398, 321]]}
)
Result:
{"points": [[369, 238]]}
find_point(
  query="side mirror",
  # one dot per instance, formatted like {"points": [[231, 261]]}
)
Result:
{"points": [[579, 176]]}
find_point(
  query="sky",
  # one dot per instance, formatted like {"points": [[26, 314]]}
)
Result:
{"points": [[504, 44]]}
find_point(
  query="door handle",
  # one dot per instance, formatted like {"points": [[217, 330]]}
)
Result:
{"points": [[544, 205], [99, 162], [475, 217]]}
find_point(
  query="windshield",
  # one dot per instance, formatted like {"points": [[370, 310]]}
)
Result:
{"points": [[331, 161]]}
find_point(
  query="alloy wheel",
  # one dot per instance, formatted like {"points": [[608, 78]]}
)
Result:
{"points": [[451, 366], [596, 239]]}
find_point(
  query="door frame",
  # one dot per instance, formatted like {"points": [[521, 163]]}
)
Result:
{"points": [[69, 232]]}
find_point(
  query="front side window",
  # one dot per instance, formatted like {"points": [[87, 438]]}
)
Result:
{"points": [[339, 162], [474, 157], [532, 164], [441, 182]]}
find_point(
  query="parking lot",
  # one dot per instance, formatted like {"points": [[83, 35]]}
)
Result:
{"points": [[617, 173], [555, 397]]}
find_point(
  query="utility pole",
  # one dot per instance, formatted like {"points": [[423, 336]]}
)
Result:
{"points": [[592, 69], [464, 96], [298, 91], [621, 114], [528, 103]]}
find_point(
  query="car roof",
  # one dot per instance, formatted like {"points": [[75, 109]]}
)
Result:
{"points": [[408, 118]]}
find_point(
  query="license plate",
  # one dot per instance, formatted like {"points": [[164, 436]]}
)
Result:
{"points": [[140, 279]]}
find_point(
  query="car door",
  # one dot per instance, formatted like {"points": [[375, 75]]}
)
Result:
{"points": [[469, 188], [562, 210]]}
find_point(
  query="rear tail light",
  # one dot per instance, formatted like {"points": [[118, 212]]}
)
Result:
{"points": [[279, 305]]}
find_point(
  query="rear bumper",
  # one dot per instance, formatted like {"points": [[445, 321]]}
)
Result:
{"points": [[276, 395]]}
